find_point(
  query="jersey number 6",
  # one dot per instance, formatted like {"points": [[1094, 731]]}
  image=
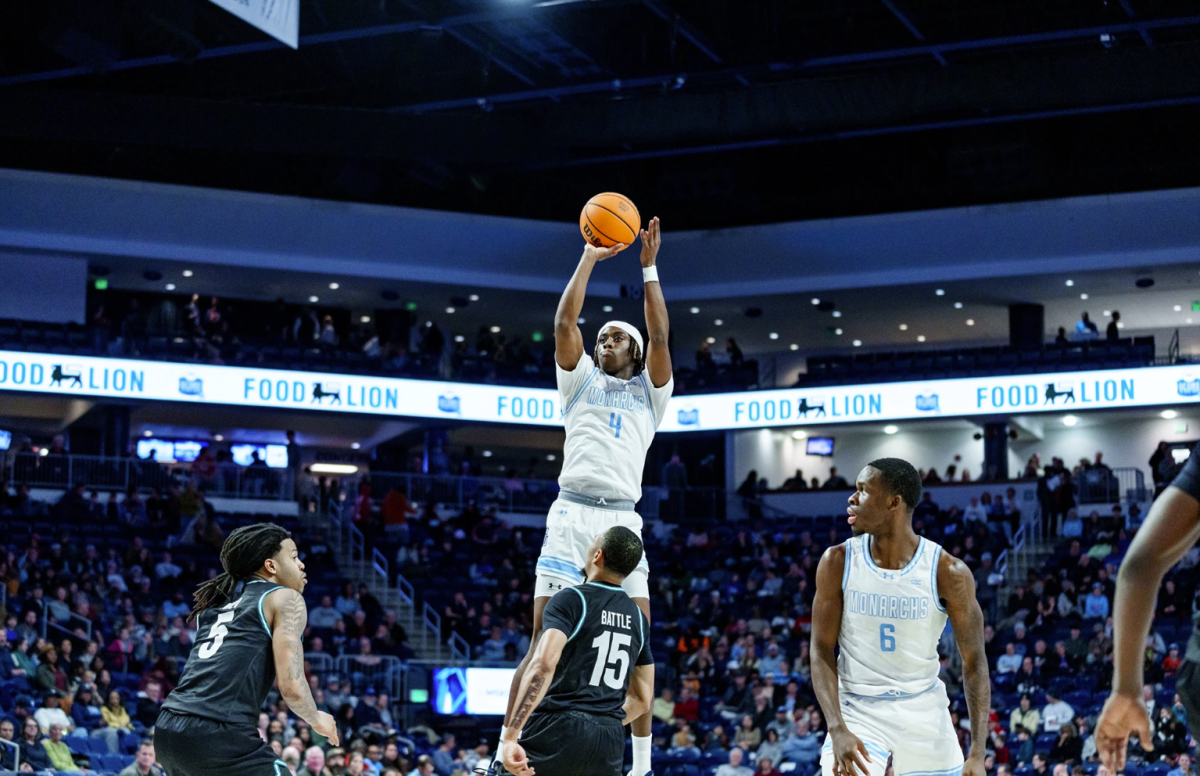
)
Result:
{"points": [[609, 645], [887, 642]]}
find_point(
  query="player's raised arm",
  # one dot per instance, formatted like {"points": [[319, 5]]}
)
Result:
{"points": [[658, 356], [956, 592], [568, 340], [1171, 528], [848, 750], [538, 676], [287, 615]]}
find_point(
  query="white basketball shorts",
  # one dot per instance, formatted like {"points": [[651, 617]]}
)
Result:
{"points": [[570, 529], [915, 731]]}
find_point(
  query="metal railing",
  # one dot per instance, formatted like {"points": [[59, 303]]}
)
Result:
{"points": [[383, 673], [508, 495], [1109, 486], [85, 626], [16, 754], [229, 480]]}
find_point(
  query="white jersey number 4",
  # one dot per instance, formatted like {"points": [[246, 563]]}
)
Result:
{"points": [[610, 653]]}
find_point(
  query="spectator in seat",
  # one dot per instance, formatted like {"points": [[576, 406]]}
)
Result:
{"points": [[33, 754], [804, 748], [7, 736], [766, 767], [57, 751], [1025, 716], [1184, 766], [748, 735], [445, 757], [683, 738], [771, 749], [314, 762], [734, 767], [663, 708], [149, 703], [143, 764], [493, 648], [835, 481], [1040, 764], [1010, 661], [325, 616], [975, 513], [687, 707], [1085, 329], [1172, 661], [51, 713], [1095, 606], [1055, 714]]}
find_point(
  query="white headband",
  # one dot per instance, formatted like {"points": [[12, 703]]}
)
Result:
{"points": [[629, 329]]}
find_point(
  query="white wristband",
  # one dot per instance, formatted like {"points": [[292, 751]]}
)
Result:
{"points": [[650, 274]]}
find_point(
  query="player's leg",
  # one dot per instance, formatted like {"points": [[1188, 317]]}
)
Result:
{"points": [[926, 743], [637, 586], [866, 720]]}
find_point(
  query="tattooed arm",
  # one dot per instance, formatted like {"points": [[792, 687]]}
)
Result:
{"points": [[956, 592], [285, 611], [538, 676]]}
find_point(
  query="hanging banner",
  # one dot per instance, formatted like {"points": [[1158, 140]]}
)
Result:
{"points": [[1062, 392], [278, 18]]}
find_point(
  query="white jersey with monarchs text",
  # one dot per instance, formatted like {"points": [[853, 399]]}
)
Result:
{"points": [[891, 623], [610, 424]]}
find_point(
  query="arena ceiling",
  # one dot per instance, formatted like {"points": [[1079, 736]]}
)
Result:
{"points": [[718, 113]]}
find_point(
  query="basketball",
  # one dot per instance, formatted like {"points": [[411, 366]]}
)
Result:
{"points": [[608, 219]]}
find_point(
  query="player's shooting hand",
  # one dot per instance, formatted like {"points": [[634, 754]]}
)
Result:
{"points": [[326, 725], [651, 241], [594, 253], [850, 755], [1122, 715], [515, 761]]}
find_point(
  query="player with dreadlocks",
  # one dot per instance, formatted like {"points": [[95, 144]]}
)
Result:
{"points": [[250, 621], [613, 402]]}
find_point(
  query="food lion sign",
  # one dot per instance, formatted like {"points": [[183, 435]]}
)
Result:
{"points": [[52, 374]]}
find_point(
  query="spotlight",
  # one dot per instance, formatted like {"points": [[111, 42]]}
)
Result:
{"points": [[1070, 420], [890, 429]]}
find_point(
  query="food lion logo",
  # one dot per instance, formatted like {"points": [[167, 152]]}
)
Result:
{"points": [[450, 403], [689, 416], [190, 385], [928, 402], [1188, 386]]}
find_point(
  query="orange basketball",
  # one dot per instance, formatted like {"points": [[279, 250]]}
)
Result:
{"points": [[608, 219]]}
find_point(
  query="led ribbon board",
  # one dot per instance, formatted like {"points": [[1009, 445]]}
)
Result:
{"points": [[61, 375]]}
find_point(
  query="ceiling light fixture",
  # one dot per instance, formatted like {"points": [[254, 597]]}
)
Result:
{"points": [[450, 311], [799, 434], [333, 286], [582, 319], [793, 346], [970, 321], [940, 292], [1070, 420], [857, 343], [1170, 414], [1083, 296], [890, 429], [608, 308], [920, 338], [718, 322], [1070, 283], [495, 330], [219, 437], [958, 305], [837, 313], [774, 335], [355, 445], [474, 297], [365, 319], [187, 273], [550, 456], [487, 453], [711, 340], [147, 433], [694, 310], [1178, 308], [1108, 313], [904, 327], [837, 332], [815, 300], [459, 338], [170, 286], [314, 299], [333, 468]]}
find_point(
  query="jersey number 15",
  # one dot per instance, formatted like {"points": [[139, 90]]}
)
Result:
{"points": [[610, 655]]}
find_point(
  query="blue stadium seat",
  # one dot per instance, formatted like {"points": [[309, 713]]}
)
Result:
{"points": [[1045, 741], [97, 746], [1078, 699], [77, 745], [1156, 769]]}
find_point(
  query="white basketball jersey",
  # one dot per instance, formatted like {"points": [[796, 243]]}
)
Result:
{"points": [[610, 424], [891, 623]]}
